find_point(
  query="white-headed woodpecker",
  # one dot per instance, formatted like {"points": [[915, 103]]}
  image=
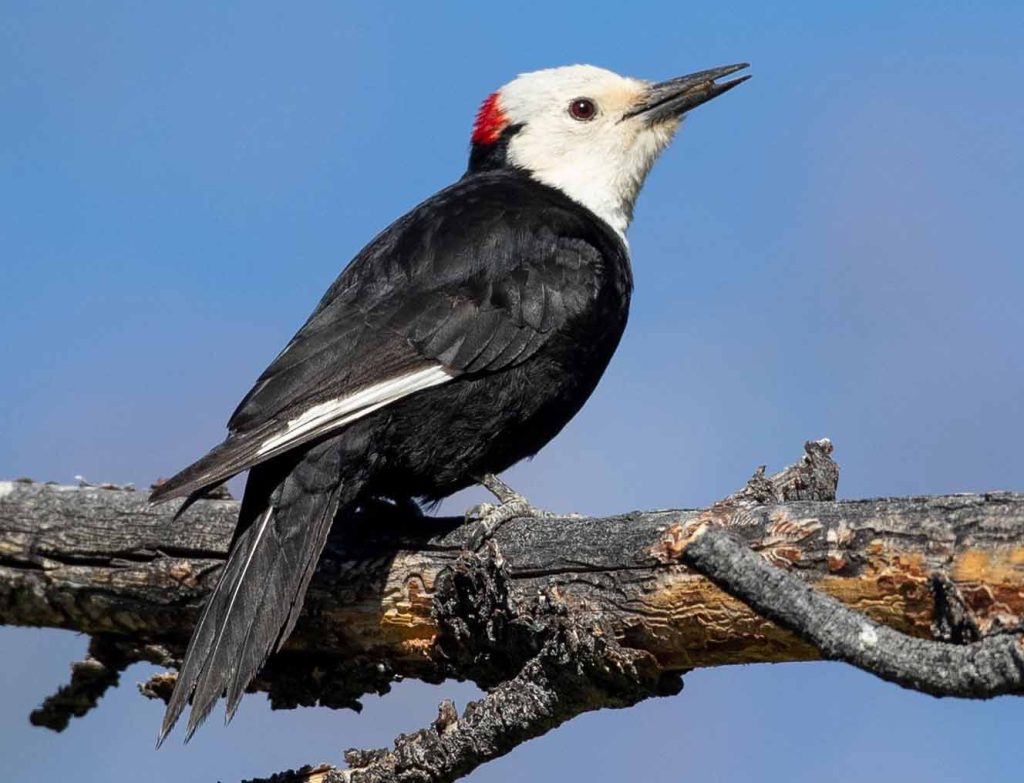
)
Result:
{"points": [[459, 341]]}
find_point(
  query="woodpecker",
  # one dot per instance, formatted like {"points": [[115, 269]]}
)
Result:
{"points": [[458, 342]]}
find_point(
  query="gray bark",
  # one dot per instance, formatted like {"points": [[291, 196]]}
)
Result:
{"points": [[554, 617]]}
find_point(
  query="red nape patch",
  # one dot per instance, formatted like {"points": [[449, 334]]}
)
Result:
{"points": [[490, 121]]}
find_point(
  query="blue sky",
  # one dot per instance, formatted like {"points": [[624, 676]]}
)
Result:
{"points": [[832, 249]]}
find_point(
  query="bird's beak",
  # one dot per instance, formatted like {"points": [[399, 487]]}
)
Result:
{"points": [[671, 99]]}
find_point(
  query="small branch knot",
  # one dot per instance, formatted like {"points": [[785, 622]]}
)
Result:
{"points": [[814, 477], [953, 622]]}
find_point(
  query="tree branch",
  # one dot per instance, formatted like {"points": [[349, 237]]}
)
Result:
{"points": [[993, 666], [556, 617]]}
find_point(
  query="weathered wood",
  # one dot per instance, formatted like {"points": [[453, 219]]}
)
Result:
{"points": [[991, 665], [107, 562], [555, 617]]}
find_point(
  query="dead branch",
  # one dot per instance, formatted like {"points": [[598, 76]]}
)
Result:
{"points": [[555, 617], [992, 666]]}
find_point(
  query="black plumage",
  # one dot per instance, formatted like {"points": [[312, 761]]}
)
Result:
{"points": [[516, 292], [458, 342]]}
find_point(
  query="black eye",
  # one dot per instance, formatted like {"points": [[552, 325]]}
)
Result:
{"points": [[582, 109]]}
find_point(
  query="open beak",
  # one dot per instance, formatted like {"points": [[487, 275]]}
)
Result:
{"points": [[671, 99]]}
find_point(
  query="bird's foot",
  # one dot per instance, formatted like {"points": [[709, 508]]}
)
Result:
{"points": [[489, 517]]}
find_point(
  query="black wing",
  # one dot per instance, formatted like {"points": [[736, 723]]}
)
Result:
{"points": [[473, 280]]}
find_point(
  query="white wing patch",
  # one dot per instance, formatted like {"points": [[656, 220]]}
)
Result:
{"points": [[330, 415]]}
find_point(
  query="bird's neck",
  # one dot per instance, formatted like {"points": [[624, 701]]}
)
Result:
{"points": [[609, 199]]}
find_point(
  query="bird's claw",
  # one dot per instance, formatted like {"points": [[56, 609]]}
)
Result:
{"points": [[479, 512], [489, 517]]}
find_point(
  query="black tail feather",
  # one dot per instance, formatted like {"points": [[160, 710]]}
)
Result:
{"points": [[275, 617], [205, 635], [259, 596]]}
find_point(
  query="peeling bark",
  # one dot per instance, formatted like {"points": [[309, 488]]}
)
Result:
{"points": [[556, 617], [105, 562]]}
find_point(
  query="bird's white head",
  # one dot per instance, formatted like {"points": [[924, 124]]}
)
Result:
{"points": [[587, 131]]}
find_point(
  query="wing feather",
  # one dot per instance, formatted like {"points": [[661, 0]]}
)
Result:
{"points": [[475, 280]]}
